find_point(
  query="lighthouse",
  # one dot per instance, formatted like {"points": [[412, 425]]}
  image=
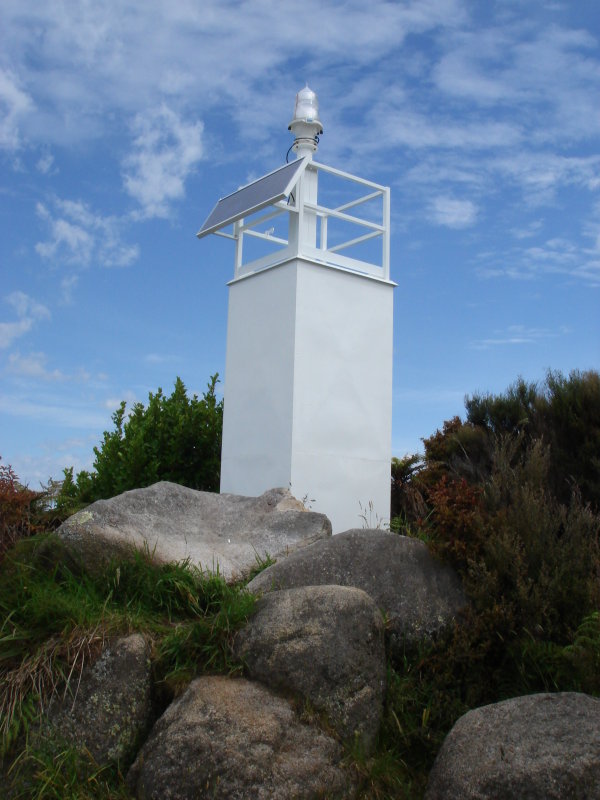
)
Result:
{"points": [[308, 372]]}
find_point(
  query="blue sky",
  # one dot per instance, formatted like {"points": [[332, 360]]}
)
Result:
{"points": [[121, 124]]}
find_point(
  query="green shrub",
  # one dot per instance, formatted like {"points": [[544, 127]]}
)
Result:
{"points": [[562, 412], [173, 438]]}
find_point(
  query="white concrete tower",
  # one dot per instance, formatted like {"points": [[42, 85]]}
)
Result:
{"points": [[308, 374]]}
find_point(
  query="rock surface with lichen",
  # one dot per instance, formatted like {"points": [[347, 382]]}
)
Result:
{"points": [[539, 747], [222, 533], [232, 738], [109, 710], [325, 644]]}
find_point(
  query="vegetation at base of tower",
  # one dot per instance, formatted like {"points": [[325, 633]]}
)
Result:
{"points": [[56, 617], [510, 496], [173, 438]]}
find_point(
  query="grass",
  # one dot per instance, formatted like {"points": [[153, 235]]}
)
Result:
{"points": [[69, 774], [57, 618]]}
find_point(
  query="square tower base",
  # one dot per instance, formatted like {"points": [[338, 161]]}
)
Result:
{"points": [[308, 390]]}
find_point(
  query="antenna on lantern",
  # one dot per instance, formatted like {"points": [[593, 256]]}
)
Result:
{"points": [[306, 125]]}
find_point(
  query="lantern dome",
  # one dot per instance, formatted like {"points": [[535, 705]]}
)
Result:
{"points": [[307, 106], [306, 125]]}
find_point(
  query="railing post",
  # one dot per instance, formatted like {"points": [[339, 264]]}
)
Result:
{"points": [[239, 244], [385, 258], [324, 219]]}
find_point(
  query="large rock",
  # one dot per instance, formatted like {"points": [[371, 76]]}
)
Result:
{"points": [[539, 747], [419, 595], [326, 644], [110, 709], [215, 531], [234, 739]]}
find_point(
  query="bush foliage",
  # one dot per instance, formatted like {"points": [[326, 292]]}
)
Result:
{"points": [[173, 438], [563, 413], [510, 497], [18, 512]]}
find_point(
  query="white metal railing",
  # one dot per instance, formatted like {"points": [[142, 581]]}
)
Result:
{"points": [[300, 244]]}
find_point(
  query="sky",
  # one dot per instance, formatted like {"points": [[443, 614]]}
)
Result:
{"points": [[122, 123]]}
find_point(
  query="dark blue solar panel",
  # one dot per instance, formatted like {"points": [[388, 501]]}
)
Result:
{"points": [[251, 198]]}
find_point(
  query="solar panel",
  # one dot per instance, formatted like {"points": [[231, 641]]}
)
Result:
{"points": [[251, 198]]}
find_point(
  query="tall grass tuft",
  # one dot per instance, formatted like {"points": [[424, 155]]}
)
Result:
{"points": [[56, 619]]}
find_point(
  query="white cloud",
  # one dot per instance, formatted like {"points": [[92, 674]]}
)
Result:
{"points": [[68, 240], [166, 150], [45, 165], [51, 459], [541, 175], [518, 335], [28, 312], [53, 455], [591, 230], [517, 64], [14, 104], [113, 403], [589, 271], [33, 366], [67, 285], [555, 256], [25, 305], [409, 128], [529, 230], [9, 331], [78, 236], [158, 358], [54, 410], [435, 171], [453, 213], [102, 60], [515, 82], [557, 252], [176, 82]]}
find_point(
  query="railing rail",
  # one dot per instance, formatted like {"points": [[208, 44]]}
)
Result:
{"points": [[303, 210]]}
